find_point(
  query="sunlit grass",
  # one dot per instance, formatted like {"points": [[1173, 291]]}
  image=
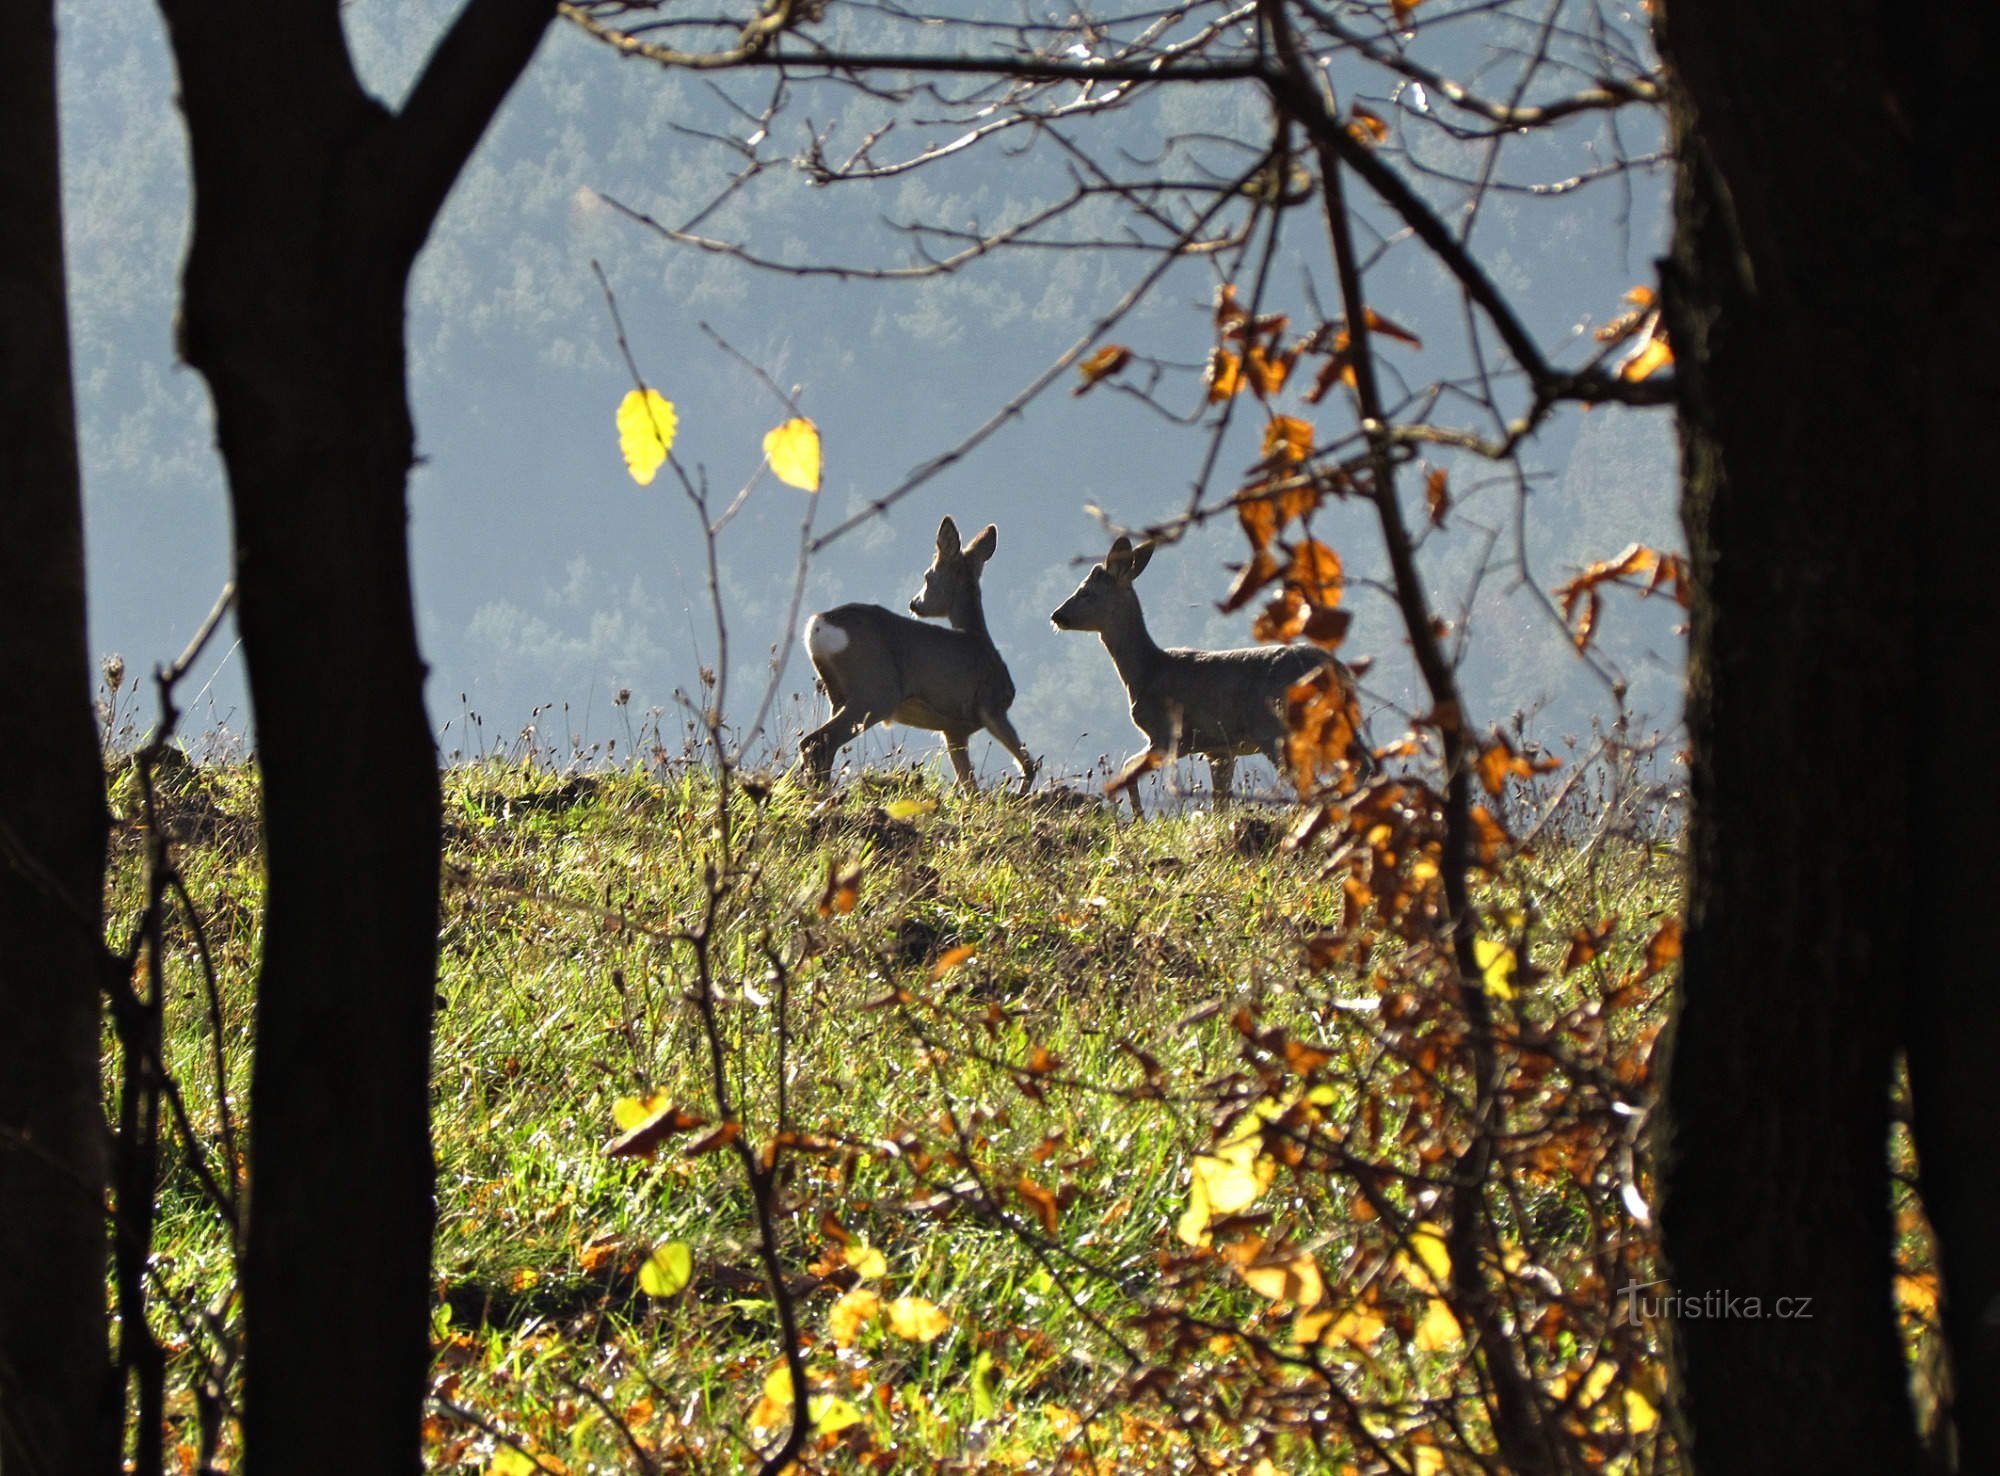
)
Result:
{"points": [[981, 1118]]}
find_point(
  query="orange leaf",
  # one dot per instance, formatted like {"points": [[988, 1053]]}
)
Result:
{"points": [[1437, 496], [1646, 360], [950, 959], [1289, 437], [1367, 127], [1663, 948], [1101, 365], [1224, 376], [1379, 324], [1268, 371], [843, 889]]}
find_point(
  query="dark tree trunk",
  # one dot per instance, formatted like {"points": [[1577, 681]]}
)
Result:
{"points": [[311, 202], [1835, 339], [58, 1409]]}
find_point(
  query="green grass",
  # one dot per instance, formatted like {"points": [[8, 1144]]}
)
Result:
{"points": [[943, 1107]]}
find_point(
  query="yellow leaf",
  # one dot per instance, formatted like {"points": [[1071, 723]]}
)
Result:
{"points": [[1297, 1281], [793, 451], [1431, 1267], [774, 1404], [854, 1311], [1359, 1327], [916, 1320], [831, 1414], [1232, 1177], [1427, 1460], [866, 1262], [1640, 1416], [1439, 1329], [1496, 967], [908, 809], [646, 425], [667, 1269], [509, 1461], [629, 1112]]}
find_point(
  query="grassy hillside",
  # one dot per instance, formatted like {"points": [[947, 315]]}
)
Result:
{"points": [[993, 1044]]}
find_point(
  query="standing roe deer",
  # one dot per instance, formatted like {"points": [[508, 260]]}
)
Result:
{"points": [[1219, 703], [881, 667]]}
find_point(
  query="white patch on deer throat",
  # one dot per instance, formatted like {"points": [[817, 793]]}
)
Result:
{"points": [[824, 638]]}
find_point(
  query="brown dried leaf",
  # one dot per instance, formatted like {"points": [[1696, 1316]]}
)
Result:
{"points": [[1437, 496], [1047, 1208], [1260, 571], [720, 1136], [644, 1140]]}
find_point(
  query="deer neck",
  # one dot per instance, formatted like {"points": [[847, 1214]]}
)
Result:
{"points": [[1132, 648], [968, 614]]}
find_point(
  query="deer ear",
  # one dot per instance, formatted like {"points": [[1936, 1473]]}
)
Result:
{"points": [[981, 548], [947, 537], [1120, 555], [1141, 556]]}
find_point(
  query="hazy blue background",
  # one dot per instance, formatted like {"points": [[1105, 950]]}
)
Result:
{"points": [[547, 582]]}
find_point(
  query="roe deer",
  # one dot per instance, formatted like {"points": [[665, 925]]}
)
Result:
{"points": [[1219, 703], [881, 667]]}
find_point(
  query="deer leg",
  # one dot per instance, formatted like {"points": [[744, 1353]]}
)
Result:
{"points": [[961, 760], [1136, 768], [1000, 728], [818, 748], [1222, 776]]}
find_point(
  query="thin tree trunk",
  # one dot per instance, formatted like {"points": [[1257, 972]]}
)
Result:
{"points": [[311, 203], [1831, 424], [58, 1410]]}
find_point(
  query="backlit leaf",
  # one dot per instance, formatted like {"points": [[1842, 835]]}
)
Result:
{"points": [[916, 1320], [1101, 365], [950, 959], [667, 1269], [1289, 436], [843, 889], [629, 1112], [793, 451], [1439, 1328], [831, 1414], [646, 425], [847, 1317], [643, 1138], [1224, 375], [908, 809], [1496, 967], [865, 1260], [1437, 495]]}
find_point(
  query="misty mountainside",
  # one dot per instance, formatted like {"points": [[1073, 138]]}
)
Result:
{"points": [[548, 583]]}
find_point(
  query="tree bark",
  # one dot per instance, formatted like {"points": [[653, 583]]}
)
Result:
{"points": [[1822, 298], [311, 202], [58, 1409]]}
